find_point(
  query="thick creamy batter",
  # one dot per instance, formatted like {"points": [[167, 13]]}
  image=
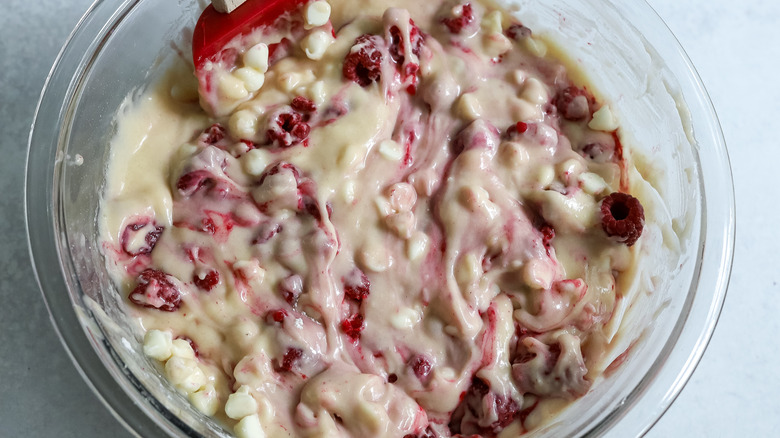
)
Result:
{"points": [[387, 222]]}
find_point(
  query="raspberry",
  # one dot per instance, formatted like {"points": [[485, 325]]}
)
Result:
{"points": [[622, 217], [421, 367], [191, 182], [517, 31], [482, 405], [212, 135], [303, 105], [573, 103], [397, 47], [352, 326], [152, 236], [208, 281], [598, 152], [287, 128], [290, 358], [427, 433], [548, 234], [155, 290], [267, 232], [364, 61], [456, 23], [291, 288], [356, 285], [277, 315]]}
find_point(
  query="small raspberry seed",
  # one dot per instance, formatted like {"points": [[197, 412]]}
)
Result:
{"points": [[622, 217]]}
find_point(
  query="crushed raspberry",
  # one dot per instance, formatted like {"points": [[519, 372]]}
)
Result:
{"points": [[427, 433], [392, 378], [364, 61], [548, 234], [311, 207], [212, 135], [352, 326], [573, 103], [457, 23], [208, 281], [517, 32], [513, 131], [397, 47], [291, 288], [279, 50], [277, 315], [598, 152], [622, 217], [290, 359], [356, 285], [483, 405], [191, 182], [303, 105], [150, 240], [287, 128], [267, 232], [421, 367], [155, 290]]}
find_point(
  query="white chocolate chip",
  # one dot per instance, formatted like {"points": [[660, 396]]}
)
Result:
{"points": [[185, 374], [406, 318], [375, 257], [232, 87], [534, 92], [349, 191], [402, 196], [536, 47], [603, 120], [468, 107], [402, 224], [468, 269], [545, 176], [592, 183], [243, 124], [537, 275], [570, 169], [249, 427], [316, 14], [182, 348], [255, 161], [316, 43], [257, 57], [205, 400], [253, 79], [514, 154], [289, 81], [240, 404], [492, 22], [391, 150], [157, 344], [251, 271], [496, 44], [417, 246], [317, 92]]}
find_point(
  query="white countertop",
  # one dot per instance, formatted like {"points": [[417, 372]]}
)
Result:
{"points": [[733, 393]]}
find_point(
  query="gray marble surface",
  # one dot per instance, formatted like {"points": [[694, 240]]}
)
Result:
{"points": [[732, 394]]}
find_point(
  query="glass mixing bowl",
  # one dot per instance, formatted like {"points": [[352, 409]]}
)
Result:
{"points": [[120, 47]]}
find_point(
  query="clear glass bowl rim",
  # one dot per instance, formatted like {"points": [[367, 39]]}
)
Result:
{"points": [[144, 416]]}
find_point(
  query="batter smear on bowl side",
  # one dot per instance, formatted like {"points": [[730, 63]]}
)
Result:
{"points": [[370, 221]]}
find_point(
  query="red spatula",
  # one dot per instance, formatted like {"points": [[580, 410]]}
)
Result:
{"points": [[215, 29]]}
